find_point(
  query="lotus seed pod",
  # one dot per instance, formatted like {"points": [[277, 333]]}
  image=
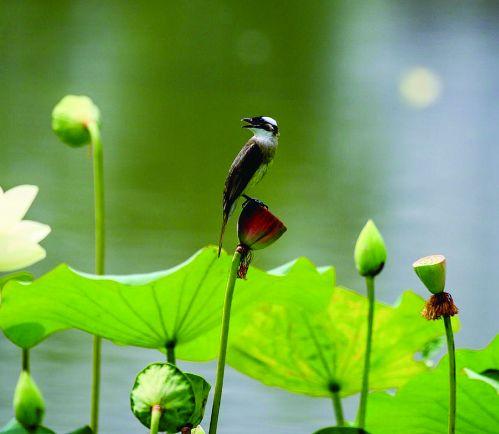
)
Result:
{"points": [[29, 407], [71, 118], [180, 397], [370, 251], [431, 271]]}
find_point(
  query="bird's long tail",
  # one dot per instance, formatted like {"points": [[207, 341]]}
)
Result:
{"points": [[222, 232]]}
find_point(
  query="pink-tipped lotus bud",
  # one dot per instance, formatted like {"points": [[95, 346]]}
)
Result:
{"points": [[71, 117]]}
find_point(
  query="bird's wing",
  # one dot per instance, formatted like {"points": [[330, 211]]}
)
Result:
{"points": [[245, 165]]}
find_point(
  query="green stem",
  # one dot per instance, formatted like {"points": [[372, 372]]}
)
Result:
{"points": [[452, 374], [96, 373], [98, 197], [229, 292], [25, 359], [338, 409], [98, 164], [155, 417], [361, 417], [170, 354]]}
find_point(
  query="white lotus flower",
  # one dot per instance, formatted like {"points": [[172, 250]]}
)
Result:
{"points": [[19, 238]]}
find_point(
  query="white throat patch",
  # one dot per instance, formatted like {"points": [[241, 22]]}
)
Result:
{"points": [[266, 137]]}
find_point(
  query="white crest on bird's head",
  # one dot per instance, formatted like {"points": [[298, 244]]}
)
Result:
{"points": [[270, 120], [262, 126]]}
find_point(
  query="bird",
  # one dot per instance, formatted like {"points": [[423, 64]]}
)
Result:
{"points": [[250, 165]]}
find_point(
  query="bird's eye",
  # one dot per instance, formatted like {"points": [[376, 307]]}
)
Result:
{"points": [[268, 127]]}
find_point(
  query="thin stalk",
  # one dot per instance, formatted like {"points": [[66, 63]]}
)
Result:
{"points": [[170, 354], [361, 417], [155, 417], [452, 374], [229, 292], [338, 409], [25, 359], [98, 164]]}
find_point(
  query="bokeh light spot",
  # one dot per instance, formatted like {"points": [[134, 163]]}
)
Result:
{"points": [[420, 87]]}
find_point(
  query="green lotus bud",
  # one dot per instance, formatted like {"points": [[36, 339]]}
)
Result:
{"points": [[370, 251], [71, 118], [29, 407], [179, 397], [431, 271]]}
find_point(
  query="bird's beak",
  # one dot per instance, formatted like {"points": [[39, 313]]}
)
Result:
{"points": [[249, 122]]}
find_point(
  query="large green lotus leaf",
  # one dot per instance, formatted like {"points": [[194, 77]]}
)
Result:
{"points": [[21, 276], [14, 427], [341, 430], [201, 390], [182, 304], [84, 430], [421, 406], [165, 385], [308, 347]]}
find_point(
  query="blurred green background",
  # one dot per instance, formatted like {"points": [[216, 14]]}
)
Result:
{"points": [[387, 110]]}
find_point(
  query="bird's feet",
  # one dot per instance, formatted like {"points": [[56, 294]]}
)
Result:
{"points": [[250, 199]]}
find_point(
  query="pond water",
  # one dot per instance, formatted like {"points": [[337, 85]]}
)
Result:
{"points": [[387, 111]]}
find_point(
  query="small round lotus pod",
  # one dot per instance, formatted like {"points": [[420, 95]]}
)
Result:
{"points": [[370, 251], [163, 386], [71, 117], [431, 271], [29, 407]]}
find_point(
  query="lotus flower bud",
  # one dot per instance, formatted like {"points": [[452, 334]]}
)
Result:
{"points": [[29, 407], [431, 271], [180, 397], [71, 118], [257, 228], [370, 251]]}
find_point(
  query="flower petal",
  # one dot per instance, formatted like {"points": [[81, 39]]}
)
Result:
{"points": [[16, 253], [30, 230], [14, 204]]}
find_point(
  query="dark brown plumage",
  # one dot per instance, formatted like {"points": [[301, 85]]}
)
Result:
{"points": [[248, 168]]}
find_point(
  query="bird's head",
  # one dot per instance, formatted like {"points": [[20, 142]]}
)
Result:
{"points": [[262, 126]]}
